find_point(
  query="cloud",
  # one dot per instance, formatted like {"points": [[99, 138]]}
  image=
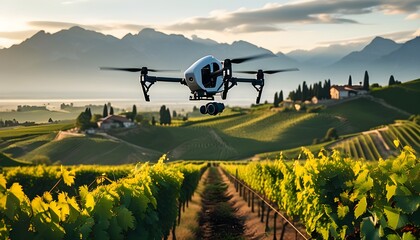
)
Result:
{"points": [[95, 27], [413, 16], [306, 12], [401, 36], [17, 35]]}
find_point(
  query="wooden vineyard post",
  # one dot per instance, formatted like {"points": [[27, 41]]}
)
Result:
{"points": [[179, 212], [173, 230], [252, 204], [236, 180], [267, 228], [249, 198], [262, 210], [275, 226]]}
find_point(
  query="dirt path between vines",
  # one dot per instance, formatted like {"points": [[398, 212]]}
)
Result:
{"points": [[217, 218], [253, 227], [218, 212]]}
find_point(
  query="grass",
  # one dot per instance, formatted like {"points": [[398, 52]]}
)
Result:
{"points": [[405, 96], [236, 134], [6, 161], [245, 132], [91, 150], [21, 131]]}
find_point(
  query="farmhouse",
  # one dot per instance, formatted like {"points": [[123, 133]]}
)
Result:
{"points": [[346, 91], [114, 121]]}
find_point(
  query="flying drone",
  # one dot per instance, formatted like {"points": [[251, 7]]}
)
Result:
{"points": [[205, 78]]}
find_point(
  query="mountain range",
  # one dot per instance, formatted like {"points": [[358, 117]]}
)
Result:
{"points": [[66, 64]]}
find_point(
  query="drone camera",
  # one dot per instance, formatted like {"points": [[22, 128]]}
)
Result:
{"points": [[212, 108]]}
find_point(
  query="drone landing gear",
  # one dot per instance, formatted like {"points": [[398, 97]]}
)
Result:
{"points": [[212, 108]]}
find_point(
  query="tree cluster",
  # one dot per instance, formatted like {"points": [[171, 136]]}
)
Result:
{"points": [[319, 90], [9, 123], [392, 81], [84, 120], [133, 114], [165, 116], [108, 110], [278, 98], [14, 122]]}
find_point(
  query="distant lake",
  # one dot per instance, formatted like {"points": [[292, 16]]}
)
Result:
{"points": [[7, 105]]}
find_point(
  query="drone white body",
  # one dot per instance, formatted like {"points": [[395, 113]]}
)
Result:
{"points": [[198, 78], [205, 78]]}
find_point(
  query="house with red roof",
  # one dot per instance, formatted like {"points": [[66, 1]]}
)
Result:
{"points": [[346, 91], [114, 121]]}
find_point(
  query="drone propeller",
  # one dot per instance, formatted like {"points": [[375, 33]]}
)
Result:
{"points": [[269, 71], [137, 69], [250, 58]]}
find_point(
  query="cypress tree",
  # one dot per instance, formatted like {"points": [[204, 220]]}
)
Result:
{"points": [[162, 117], [168, 116], [304, 91], [391, 80], [366, 81], [281, 96], [299, 93], [134, 111], [328, 89], [105, 111], [350, 81], [111, 111], [276, 100]]}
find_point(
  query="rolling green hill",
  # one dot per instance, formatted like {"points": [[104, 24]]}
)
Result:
{"points": [[405, 96], [92, 150], [6, 161], [251, 131], [238, 133]]}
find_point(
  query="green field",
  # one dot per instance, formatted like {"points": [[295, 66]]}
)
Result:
{"points": [[238, 133], [405, 96]]}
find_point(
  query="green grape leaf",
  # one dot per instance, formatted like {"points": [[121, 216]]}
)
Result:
{"points": [[390, 191], [38, 205], [408, 204], [360, 207], [368, 229], [2, 182], [395, 218], [396, 143], [14, 197], [12, 205], [393, 237], [114, 230], [16, 189], [47, 197], [125, 218], [103, 207], [54, 212], [408, 236], [342, 211], [86, 228], [68, 176]]}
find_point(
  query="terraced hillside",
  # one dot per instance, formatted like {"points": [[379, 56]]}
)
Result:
{"points": [[246, 132], [238, 133], [378, 143]]}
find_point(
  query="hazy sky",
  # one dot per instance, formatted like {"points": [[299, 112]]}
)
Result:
{"points": [[276, 25]]}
